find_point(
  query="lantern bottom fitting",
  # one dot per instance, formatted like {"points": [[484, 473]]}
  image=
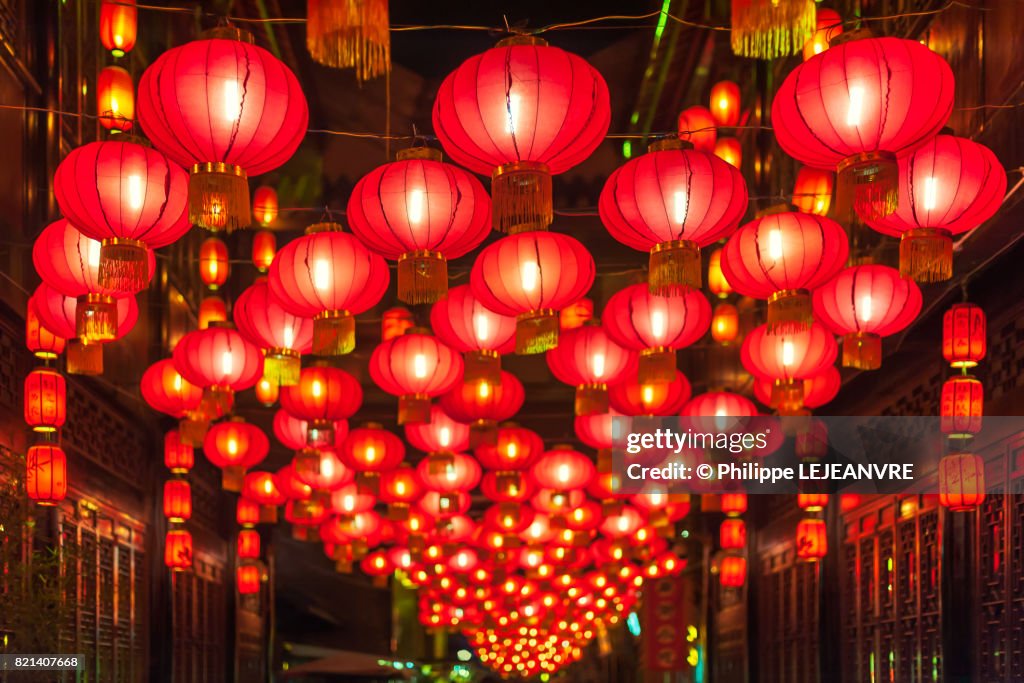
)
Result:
{"points": [[422, 277], [867, 183], [84, 359], [320, 433], [509, 483], [368, 482], [398, 512], [604, 460], [674, 268], [124, 265], [268, 514], [521, 197], [192, 430], [591, 399], [657, 365], [413, 409], [482, 367], [789, 311], [536, 331], [483, 433], [611, 507], [282, 367], [232, 477], [217, 401], [218, 197], [334, 333], [768, 29], [96, 318], [926, 255], [862, 350], [788, 396]]}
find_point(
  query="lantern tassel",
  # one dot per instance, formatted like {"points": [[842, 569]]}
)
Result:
{"points": [[96, 318], [482, 367], [398, 512], [788, 396], [926, 255], [231, 479], [334, 333], [217, 401], [657, 365], [674, 268], [413, 409], [268, 514], [422, 277], [192, 430], [282, 367], [789, 311], [350, 34], [536, 332], [867, 183], [124, 266], [218, 197], [483, 433], [767, 29], [591, 399], [84, 359], [521, 197], [862, 350]]}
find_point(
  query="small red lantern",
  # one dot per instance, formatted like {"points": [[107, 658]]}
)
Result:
{"points": [[697, 126], [177, 500], [267, 392], [284, 337], [812, 191], [221, 361], [45, 400], [818, 390], [732, 534], [179, 457], [449, 473], [719, 412], [321, 469], [264, 208], [633, 398], [732, 571], [247, 513], [178, 550], [481, 335], [811, 539], [483, 405], [563, 469], [164, 389], [588, 359], [730, 151], [370, 450], [248, 544], [717, 284], [441, 434], [262, 488], [322, 396], [725, 103], [962, 407], [235, 446], [395, 321], [118, 25], [399, 488], [415, 367], [788, 359], [379, 566], [212, 309], [264, 248], [733, 504], [247, 579], [39, 339], [214, 266], [961, 481], [963, 335], [46, 474], [725, 323], [115, 98], [515, 449], [828, 25]]}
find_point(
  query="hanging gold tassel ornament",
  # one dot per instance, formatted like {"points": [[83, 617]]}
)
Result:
{"points": [[217, 401], [193, 428], [867, 183], [789, 311], [536, 331], [674, 268], [334, 333], [482, 367], [862, 350], [767, 29], [282, 367], [788, 396], [124, 265], [926, 255], [591, 399], [218, 197], [96, 318], [413, 409], [521, 197], [84, 359], [657, 365], [422, 277], [350, 34]]}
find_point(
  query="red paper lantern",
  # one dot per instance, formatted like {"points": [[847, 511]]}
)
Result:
{"points": [[859, 105], [264, 248], [262, 488], [961, 481], [395, 321], [811, 539], [717, 283], [947, 186], [829, 25], [212, 309], [532, 276], [588, 359], [725, 323], [782, 256], [221, 361], [266, 392], [788, 359], [179, 457], [58, 313], [350, 499], [214, 266], [449, 473], [626, 522], [719, 412], [634, 398], [248, 544], [415, 367], [441, 434], [118, 25], [293, 432], [247, 512], [812, 502], [235, 446], [483, 405], [420, 212], [177, 500], [165, 390], [812, 191], [730, 151], [656, 326], [864, 304], [178, 550], [321, 469], [115, 98], [247, 579], [45, 400], [510, 486], [732, 571], [963, 335], [563, 469], [289, 485], [264, 206], [370, 450], [480, 334], [329, 276], [526, 111], [46, 474], [962, 407], [378, 565], [40, 340], [399, 488], [673, 202], [697, 126], [725, 103], [733, 504], [226, 109], [732, 534], [515, 449], [818, 390], [322, 396]]}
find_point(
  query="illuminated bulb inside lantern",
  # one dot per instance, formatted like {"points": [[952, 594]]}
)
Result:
{"points": [[348, 503], [577, 514], [483, 390], [864, 310], [268, 487], [415, 206], [370, 454], [775, 244], [232, 101], [322, 274], [512, 112], [232, 446], [317, 388], [414, 524], [788, 353], [680, 203], [289, 336], [400, 488], [450, 473], [93, 252], [226, 362], [445, 436], [563, 474], [529, 273], [853, 114], [419, 366], [658, 324], [177, 383], [597, 365], [623, 523], [720, 421], [463, 560], [327, 467], [482, 327], [647, 394], [134, 183], [931, 191]]}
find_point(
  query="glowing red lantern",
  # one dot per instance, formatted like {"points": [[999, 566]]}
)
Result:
{"points": [[441, 434], [526, 111], [588, 359], [626, 522], [40, 340], [563, 469], [214, 266], [293, 432], [221, 361], [322, 396], [415, 367], [45, 400], [828, 25], [264, 248], [515, 449], [227, 109], [164, 389], [864, 304], [483, 405], [264, 207], [859, 105], [812, 191], [115, 98], [963, 335], [451, 473], [947, 186], [212, 309], [247, 579], [780, 257], [350, 499], [658, 398], [673, 202], [321, 469], [732, 571], [788, 359], [179, 457], [177, 500], [480, 334], [961, 481], [812, 502], [811, 539], [725, 103], [717, 283], [730, 151], [697, 126], [262, 488], [962, 406], [725, 323], [178, 550], [329, 276], [656, 326], [399, 488], [532, 276], [266, 392], [420, 212], [247, 512], [733, 504], [46, 474], [248, 544], [732, 534], [379, 566], [235, 446], [370, 450], [818, 390], [289, 485], [719, 411], [118, 25]]}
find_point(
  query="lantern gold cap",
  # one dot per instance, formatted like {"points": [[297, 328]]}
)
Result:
{"points": [[326, 226], [222, 324], [522, 39], [228, 33], [419, 330], [427, 153], [850, 36], [668, 144], [372, 425]]}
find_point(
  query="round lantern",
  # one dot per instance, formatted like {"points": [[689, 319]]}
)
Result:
{"points": [[563, 469], [322, 396], [961, 407], [828, 25], [818, 390], [961, 481], [264, 206], [634, 398], [118, 25], [856, 107], [329, 276], [733, 504], [247, 513], [947, 186], [130, 197], [179, 457], [293, 432], [234, 446], [730, 151], [483, 405], [45, 400], [115, 98], [420, 212], [811, 539], [266, 392], [289, 485], [515, 448], [532, 276], [39, 339], [788, 359], [441, 434], [656, 326], [717, 283], [321, 469], [214, 266], [963, 335], [46, 474], [247, 579], [177, 500], [589, 360], [264, 248], [732, 571], [719, 411], [673, 201], [220, 361], [415, 367], [697, 126], [178, 550], [212, 309], [399, 488], [370, 450], [725, 103], [261, 319], [227, 109], [725, 323], [864, 304], [782, 256], [164, 389], [453, 473], [525, 111], [248, 544], [480, 334], [732, 534]]}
